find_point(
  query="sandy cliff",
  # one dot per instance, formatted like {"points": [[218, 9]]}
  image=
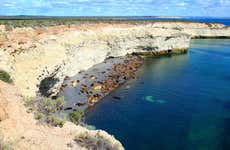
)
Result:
{"points": [[23, 133], [32, 55]]}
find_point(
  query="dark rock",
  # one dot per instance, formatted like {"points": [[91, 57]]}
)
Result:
{"points": [[80, 104]]}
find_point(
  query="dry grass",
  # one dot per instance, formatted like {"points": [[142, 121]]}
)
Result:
{"points": [[13, 22]]}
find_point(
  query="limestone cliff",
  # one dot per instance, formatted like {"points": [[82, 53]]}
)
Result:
{"points": [[22, 132], [32, 55]]}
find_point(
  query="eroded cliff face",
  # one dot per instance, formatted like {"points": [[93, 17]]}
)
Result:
{"points": [[34, 55], [22, 131], [197, 30]]}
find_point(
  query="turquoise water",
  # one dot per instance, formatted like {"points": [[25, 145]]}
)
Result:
{"points": [[179, 102]]}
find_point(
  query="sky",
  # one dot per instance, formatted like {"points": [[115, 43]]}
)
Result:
{"points": [[214, 8]]}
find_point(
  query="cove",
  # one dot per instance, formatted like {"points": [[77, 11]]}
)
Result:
{"points": [[179, 102]]}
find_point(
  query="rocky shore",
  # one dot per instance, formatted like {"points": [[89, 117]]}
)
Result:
{"points": [[88, 87]]}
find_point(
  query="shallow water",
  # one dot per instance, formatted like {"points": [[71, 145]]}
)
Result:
{"points": [[179, 102]]}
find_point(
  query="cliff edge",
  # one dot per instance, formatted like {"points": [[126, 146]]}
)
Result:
{"points": [[23, 133], [34, 55]]}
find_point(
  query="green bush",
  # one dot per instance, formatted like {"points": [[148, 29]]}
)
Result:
{"points": [[76, 116], [4, 145], [96, 141], [60, 103], [45, 109], [55, 121], [4, 76], [47, 106]]}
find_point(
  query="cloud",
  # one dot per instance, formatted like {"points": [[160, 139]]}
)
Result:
{"points": [[225, 2], [116, 7]]}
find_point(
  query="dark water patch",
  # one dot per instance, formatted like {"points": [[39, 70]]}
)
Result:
{"points": [[227, 105], [226, 135], [227, 77], [116, 97]]}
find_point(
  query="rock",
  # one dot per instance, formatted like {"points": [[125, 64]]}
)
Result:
{"points": [[80, 104], [149, 99], [74, 83], [93, 99], [2, 28], [127, 87], [3, 114], [97, 86], [93, 77], [3, 38], [67, 78]]}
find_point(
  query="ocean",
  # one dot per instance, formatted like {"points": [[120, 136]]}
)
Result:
{"points": [[178, 102]]}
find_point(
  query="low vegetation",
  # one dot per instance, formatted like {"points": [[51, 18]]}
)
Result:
{"points": [[4, 76], [76, 116], [4, 145], [28, 21], [96, 141], [46, 110]]}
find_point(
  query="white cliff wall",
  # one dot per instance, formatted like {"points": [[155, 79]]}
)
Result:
{"points": [[64, 54]]}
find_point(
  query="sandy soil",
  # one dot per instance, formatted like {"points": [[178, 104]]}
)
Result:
{"points": [[22, 131]]}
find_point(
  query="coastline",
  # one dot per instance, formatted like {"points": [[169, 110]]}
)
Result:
{"points": [[90, 86], [49, 58]]}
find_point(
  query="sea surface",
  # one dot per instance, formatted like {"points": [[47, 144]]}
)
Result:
{"points": [[225, 21], [178, 102]]}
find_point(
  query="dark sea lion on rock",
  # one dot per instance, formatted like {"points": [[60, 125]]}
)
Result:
{"points": [[93, 77], [90, 92], [68, 108], [80, 104], [81, 71], [100, 82], [83, 85], [66, 78]]}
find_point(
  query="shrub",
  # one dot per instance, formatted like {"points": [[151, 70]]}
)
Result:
{"points": [[4, 145], [4, 76], [45, 109], [96, 141], [47, 106], [76, 116], [60, 103], [55, 121]]}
